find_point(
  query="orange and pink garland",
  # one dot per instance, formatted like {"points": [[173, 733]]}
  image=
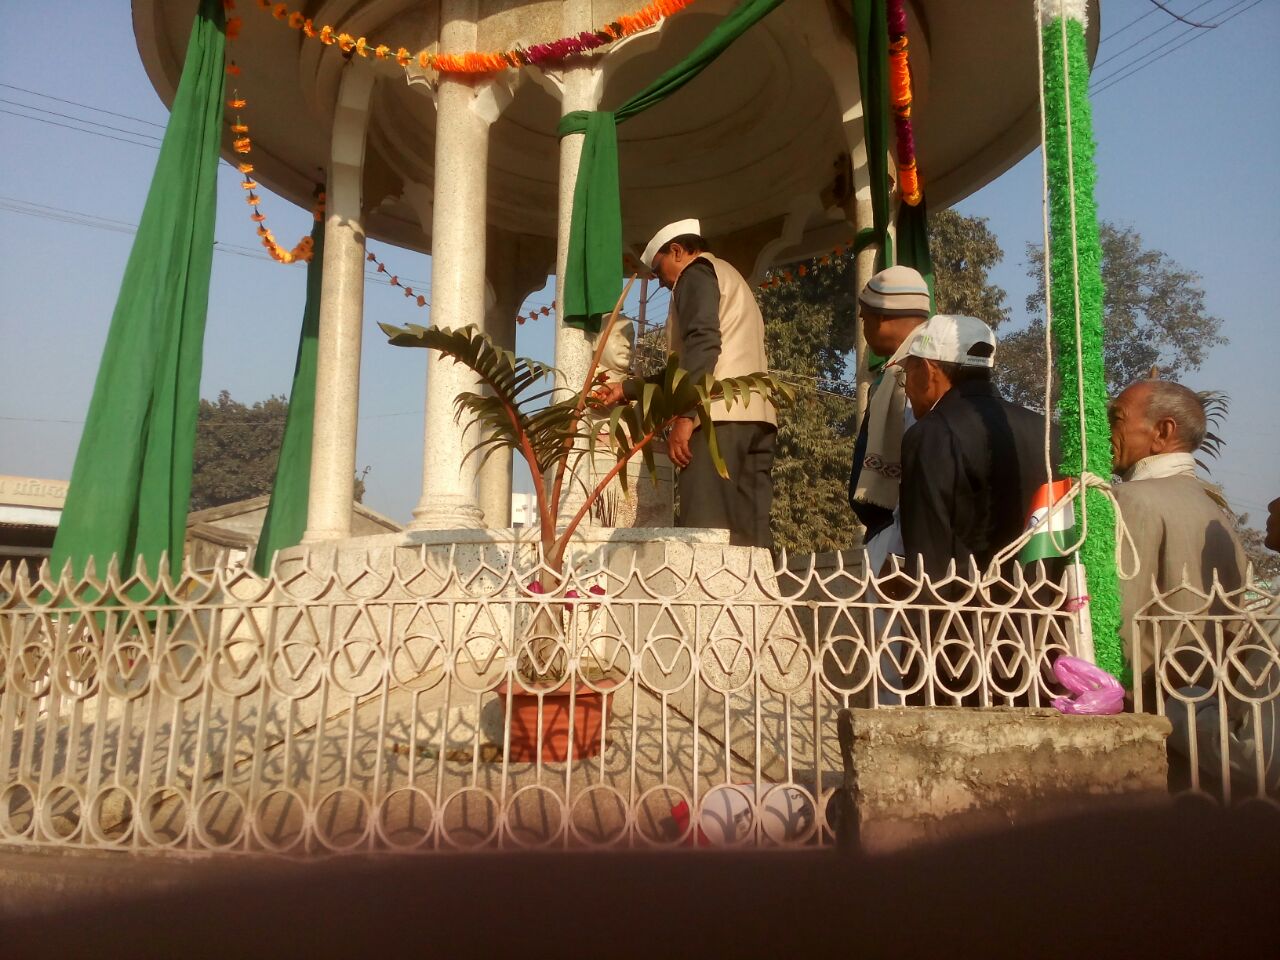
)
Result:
{"points": [[900, 99], [479, 61]]}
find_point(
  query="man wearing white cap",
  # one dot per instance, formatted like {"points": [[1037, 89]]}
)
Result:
{"points": [[973, 461], [893, 305], [715, 326]]}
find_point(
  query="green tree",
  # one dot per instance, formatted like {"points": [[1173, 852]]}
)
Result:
{"points": [[964, 251], [1266, 564], [237, 446], [827, 287], [815, 434], [1217, 405], [1154, 316], [236, 449]]}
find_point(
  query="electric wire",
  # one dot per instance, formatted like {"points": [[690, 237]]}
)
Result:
{"points": [[68, 116], [1136, 20], [83, 106], [1148, 35], [1108, 82], [79, 218], [1182, 19], [96, 133]]}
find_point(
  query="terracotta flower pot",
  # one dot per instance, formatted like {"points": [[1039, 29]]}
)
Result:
{"points": [[553, 731]]}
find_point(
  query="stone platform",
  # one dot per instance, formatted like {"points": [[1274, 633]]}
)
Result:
{"points": [[924, 774]]}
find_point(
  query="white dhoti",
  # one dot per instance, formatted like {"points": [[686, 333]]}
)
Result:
{"points": [[879, 548]]}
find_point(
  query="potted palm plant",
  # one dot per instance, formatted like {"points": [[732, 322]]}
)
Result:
{"points": [[524, 412]]}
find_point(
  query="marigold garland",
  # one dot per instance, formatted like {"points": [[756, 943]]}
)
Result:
{"points": [[477, 62], [394, 280], [780, 278], [421, 300], [242, 144], [534, 315], [900, 99]]}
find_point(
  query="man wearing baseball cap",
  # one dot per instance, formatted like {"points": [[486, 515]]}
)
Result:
{"points": [[893, 305], [714, 326], [973, 461]]}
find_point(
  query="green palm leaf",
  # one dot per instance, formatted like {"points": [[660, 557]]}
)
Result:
{"points": [[559, 433]]}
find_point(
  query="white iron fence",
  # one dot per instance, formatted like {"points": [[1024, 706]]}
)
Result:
{"points": [[1211, 664], [413, 707]]}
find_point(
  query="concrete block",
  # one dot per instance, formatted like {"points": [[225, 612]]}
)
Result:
{"points": [[930, 773]]}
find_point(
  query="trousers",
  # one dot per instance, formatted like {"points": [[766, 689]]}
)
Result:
{"points": [[742, 503]]}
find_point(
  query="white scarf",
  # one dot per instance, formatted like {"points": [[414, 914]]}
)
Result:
{"points": [[1161, 465], [881, 474]]}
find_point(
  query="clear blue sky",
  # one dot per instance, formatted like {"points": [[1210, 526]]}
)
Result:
{"points": [[1187, 145]]}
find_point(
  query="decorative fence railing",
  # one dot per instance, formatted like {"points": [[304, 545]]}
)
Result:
{"points": [[1211, 664], [408, 705]]}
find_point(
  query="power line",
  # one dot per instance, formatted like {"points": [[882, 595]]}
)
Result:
{"points": [[67, 116], [1147, 36], [202, 424], [79, 218], [63, 216], [1138, 19], [83, 106], [1111, 81], [152, 142], [1179, 17], [55, 123]]}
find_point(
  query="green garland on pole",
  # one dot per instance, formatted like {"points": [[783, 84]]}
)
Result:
{"points": [[1071, 174]]}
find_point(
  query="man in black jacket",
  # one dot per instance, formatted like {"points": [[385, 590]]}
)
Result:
{"points": [[973, 461]]}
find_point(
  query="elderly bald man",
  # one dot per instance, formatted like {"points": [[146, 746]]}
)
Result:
{"points": [[1181, 526]]}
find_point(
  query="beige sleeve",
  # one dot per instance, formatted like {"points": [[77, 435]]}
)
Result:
{"points": [[1146, 527]]}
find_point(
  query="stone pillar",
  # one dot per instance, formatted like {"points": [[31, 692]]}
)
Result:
{"points": [[333, 445], [493, 488], [457, 281], [581, 89], [518, 266]]}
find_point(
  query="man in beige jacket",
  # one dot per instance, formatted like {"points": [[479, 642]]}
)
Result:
{"points": [[1183, 532], [716, 327]]}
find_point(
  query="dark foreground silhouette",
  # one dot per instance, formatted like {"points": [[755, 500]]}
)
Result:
{"points": [[1189, 881]]}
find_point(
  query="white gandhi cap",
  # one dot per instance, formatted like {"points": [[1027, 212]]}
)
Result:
{"points": [[666, 235], [953, 338]]}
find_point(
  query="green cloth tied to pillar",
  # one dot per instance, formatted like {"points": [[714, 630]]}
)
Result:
{"points": [[871, 40], [913, 244], [131, 484], [871, 43], [286, 519], [593, 270]]}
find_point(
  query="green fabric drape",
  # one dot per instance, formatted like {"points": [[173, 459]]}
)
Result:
{"points": [[593, 267], [593, 272], [131, 484], [913, 243], [871, 37], [871, 40], [286, 518]]}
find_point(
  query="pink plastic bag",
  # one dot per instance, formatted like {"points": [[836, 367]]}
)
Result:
{"points": [[1092, 690]]}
